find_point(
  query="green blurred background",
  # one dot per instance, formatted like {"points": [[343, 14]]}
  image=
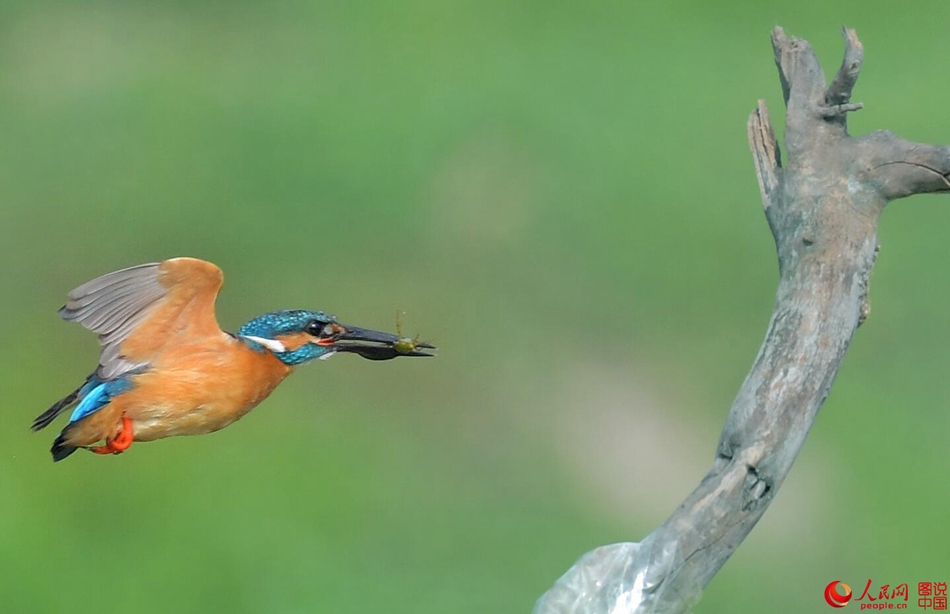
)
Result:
{"points": [[559, 195]]}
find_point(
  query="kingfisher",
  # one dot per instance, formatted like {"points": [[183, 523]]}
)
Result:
{"points": [[166, 368]]}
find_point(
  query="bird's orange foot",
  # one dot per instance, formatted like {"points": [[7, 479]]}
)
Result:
{"points": [[121, 442]]}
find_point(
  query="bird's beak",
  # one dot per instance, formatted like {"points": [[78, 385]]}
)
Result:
{"points": [[375, 345]]}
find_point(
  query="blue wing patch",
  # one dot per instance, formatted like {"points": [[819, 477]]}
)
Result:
{"points": [[98, 397]]}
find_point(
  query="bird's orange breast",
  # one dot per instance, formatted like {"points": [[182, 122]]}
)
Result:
{"points": [[199, 387]]}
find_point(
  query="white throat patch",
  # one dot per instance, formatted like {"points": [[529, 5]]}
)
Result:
{"points": [[271, 344]]}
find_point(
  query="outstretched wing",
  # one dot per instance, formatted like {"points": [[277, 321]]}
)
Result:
{"points": [[137, 311]]}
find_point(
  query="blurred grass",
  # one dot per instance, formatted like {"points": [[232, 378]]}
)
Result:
{"points": [[560, 197]]}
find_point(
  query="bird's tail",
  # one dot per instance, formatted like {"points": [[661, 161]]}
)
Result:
{"points": [[44, 419], [60, 449]]}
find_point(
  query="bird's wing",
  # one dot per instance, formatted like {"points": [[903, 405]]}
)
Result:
{"points": [[137, 311]]}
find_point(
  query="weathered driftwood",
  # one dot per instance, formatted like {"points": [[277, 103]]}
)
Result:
{"points": [[823, 207]]}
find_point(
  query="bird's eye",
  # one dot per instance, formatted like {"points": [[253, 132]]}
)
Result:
{"points": [[315, 327]]}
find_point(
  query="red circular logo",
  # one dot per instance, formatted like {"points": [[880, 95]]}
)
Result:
{"points": [[837, 599]]}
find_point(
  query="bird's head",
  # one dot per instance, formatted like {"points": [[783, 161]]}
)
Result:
{"points": [[299, 336]]}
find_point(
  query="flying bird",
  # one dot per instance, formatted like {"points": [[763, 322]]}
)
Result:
{"points": [[166, 368]]}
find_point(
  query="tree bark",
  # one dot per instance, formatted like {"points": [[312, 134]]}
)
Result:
{"points": [[823, 208]]}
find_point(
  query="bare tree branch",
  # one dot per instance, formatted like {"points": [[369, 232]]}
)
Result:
{"points": [[839, 92], [900, 168], [765, 153], [823, 207]]}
